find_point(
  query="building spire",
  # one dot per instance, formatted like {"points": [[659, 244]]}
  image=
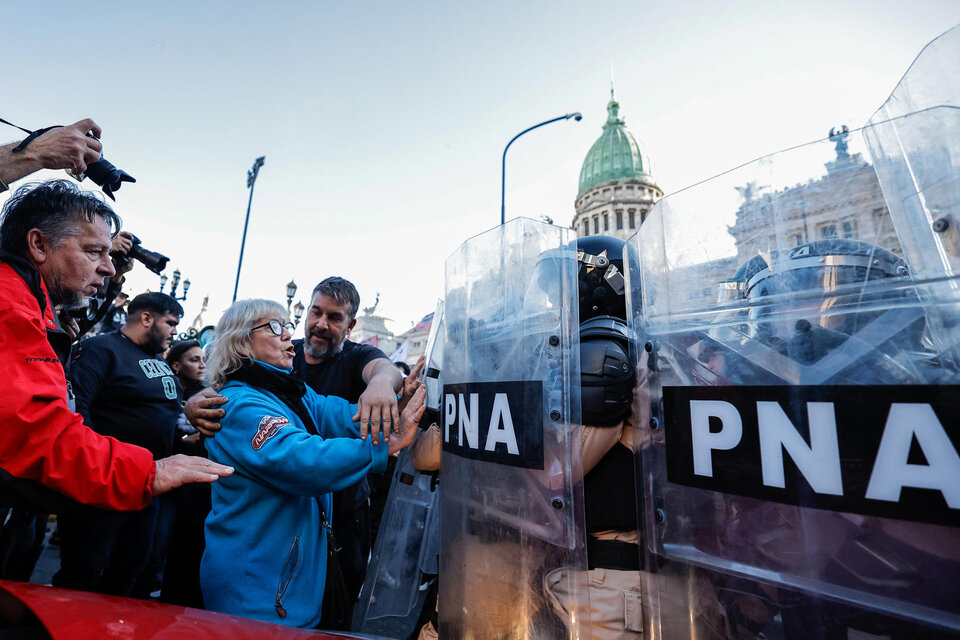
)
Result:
{"points": [[611, 80]]}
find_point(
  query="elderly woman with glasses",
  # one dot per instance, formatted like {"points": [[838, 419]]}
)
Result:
{"points": [[266, 535]]}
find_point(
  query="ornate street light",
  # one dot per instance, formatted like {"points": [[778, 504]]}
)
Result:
{"points": [[163, 282], [503, 167], [291, 291], [251, 180], [297, 314], [174, 283]]}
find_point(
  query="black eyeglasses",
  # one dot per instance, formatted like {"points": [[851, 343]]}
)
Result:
{"points": [[276, 327]]}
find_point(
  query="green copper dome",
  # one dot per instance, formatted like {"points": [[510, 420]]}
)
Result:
{"points": [[614, 156]]}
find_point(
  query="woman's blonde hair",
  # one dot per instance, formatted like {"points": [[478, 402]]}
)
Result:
{"points": [[230, 348]]}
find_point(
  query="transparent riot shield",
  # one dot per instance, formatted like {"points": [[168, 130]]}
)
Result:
{"points": [[914, 142], [799, 465], [433, 364], [404, 560], [511, 484]]}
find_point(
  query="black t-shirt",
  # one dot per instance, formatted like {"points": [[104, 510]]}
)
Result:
{"points": [[125, 392], [341, 375]]}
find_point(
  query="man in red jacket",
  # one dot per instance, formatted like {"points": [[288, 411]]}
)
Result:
{"points": [[54, 250]]}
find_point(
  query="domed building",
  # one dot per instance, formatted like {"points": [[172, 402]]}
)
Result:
{"points": [[616, 188]]}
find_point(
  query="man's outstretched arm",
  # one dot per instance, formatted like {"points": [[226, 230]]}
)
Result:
{"points": [[62, 148]]}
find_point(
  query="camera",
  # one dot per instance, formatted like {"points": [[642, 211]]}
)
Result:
{"points": [[151, 259], [109, 178]]}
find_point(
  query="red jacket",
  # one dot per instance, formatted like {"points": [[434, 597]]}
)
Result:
{"points": [[41, 439]]}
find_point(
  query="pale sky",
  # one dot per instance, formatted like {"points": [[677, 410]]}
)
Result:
{"points": [[383, 123]]}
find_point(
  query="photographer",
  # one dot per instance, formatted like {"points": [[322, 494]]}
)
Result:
{"points": [[61, 148], [77, 321], [55, 242]]}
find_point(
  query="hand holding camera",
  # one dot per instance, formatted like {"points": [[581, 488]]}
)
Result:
{"points": [[129, 248], [75, 148], [120, 251]]}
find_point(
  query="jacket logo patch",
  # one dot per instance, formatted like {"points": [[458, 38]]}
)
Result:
{"points": [[269, 426]]}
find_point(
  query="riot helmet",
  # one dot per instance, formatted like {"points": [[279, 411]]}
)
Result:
{"points": [[832, 266], [843, 298], [600, 277], [606, 377], [832, 283]]}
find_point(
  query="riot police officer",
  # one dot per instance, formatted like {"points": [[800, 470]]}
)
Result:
{"points": [[606, 391]]}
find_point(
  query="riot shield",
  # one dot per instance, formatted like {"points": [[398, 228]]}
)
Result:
{"points": [[511, 484], [799, 464], [404, 559], [914, 142]]}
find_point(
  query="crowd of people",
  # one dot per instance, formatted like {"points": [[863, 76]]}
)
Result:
{"points": [[119, 430], [237, 476]]}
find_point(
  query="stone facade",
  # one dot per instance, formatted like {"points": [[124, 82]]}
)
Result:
{"points": [[615, 209], [846, 202]]}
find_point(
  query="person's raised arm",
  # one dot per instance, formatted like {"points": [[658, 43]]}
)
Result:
{"points": [[378, 403], [409, 422], [61, 148]]}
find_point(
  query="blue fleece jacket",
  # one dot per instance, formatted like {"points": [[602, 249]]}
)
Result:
{"points": [[266, 550]]}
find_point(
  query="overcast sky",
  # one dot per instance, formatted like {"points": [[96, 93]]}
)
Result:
{"points": [[383, 123]]}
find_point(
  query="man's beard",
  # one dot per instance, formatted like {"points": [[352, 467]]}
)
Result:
{"points": [[154, 342], [66, 298], [322, 353]]}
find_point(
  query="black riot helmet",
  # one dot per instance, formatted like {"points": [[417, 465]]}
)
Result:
{"points": [[606, 377], [820, 266], [600, 277], [841, 311]]}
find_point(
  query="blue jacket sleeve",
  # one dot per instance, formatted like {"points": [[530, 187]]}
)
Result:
{"points": [[333, 415], [263, 439]]}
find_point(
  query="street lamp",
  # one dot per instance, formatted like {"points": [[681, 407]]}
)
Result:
{"points": [[174, 282], [297, 314], [291, 291], [163, 282], [251, 180], [503, 167]]}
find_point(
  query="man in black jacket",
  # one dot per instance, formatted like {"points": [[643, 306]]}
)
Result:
{"points": [[124, 390]]}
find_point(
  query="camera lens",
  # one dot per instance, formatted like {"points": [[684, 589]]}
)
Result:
{"points": [[151, 259], [108, 176]]}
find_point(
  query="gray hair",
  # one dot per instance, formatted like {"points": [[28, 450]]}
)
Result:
{"points": [[230, 348], [55, 208]]}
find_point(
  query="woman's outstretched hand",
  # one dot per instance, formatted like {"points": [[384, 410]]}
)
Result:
{"points": [[409, 421]]}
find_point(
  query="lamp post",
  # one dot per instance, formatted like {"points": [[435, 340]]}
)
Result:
{"points": [[251, 180], [291, 291], [174, 283], [297, 313], [503, 167]]}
